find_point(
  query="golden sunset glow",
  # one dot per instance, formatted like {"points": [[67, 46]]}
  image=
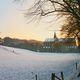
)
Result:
{"points": [[14, 24]]}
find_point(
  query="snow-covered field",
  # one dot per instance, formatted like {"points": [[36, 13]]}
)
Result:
{"points": [[21, 64]]}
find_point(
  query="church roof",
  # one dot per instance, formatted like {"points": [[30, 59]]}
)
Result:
{"points": [[49, 40]]}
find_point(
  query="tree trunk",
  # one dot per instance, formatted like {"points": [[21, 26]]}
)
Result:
{"points": [[78, 42]]}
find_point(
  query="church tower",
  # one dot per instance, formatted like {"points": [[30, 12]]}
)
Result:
{"points": [[55, 35]]}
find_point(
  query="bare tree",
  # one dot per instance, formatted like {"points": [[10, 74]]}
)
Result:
{"points": [[68, 8], [71, 27], [62, 7]]}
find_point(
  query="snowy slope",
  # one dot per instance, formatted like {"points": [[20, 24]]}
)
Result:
{"points": [[74, 75], [20, 64]]}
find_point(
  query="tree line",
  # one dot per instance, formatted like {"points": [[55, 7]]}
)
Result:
{"points": [[18, 43], [66, 46]]}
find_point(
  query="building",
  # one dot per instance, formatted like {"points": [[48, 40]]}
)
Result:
{"points": [[56, 44]]}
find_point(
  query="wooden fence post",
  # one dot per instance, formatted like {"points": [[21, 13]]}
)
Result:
{"points": [[36, 76], [53, 76], [62, 76], [76, 65]]}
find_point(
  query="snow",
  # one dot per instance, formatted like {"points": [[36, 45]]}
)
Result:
{"points": [[21, 64]]}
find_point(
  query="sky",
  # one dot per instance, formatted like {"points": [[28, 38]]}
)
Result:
{"points": [[13, 23]]}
